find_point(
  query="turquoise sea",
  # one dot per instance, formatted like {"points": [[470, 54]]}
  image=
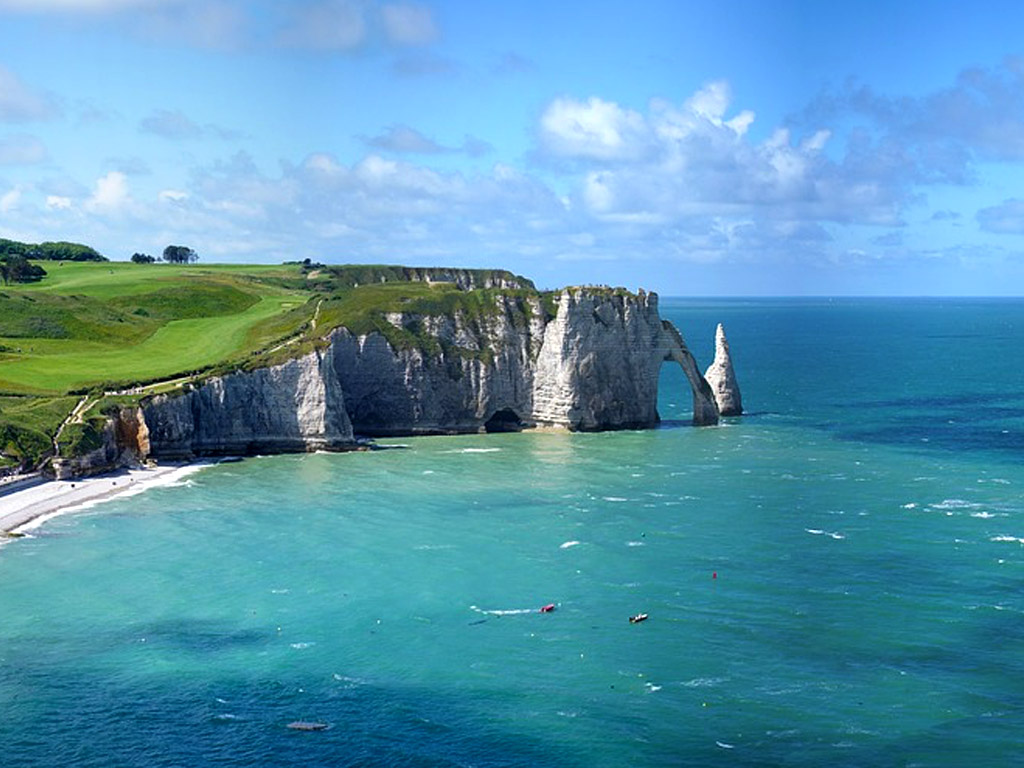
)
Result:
{"points": [[833, 579]]}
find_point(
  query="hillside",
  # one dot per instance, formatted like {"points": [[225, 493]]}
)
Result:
{"points": [[89, 330]]}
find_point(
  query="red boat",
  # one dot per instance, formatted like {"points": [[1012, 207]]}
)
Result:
{"points": [[547, 608]]}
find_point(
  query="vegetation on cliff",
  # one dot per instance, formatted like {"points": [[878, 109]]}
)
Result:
{"points": [[87, 330]]}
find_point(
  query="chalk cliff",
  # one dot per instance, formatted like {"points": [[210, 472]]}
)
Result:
{"points": [[293, 407], [588, 360], [722, 378], [593, 365]]}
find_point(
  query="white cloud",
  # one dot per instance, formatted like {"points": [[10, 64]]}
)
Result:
{"points": [[173, 196], [402, 138], [1007, 218], [334, 25], [19, 103], [408, 24], [593, 129], [10, 200], [58, 203], [110, 195], [22, 150], [85, 6], [174, 125]]}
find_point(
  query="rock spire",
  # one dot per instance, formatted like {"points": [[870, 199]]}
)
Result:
{"points": [[722, 378]]}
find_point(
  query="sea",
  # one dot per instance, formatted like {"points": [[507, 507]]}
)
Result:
{"points": [[836, 578]]}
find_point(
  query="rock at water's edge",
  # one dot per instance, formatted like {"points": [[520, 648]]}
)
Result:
{"points": [[722, 378]]}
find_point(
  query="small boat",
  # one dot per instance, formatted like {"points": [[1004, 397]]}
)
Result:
{"points": [[547, 608], [638, 618]]}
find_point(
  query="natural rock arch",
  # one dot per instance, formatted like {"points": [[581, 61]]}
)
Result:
{"points": [[705, 409]]}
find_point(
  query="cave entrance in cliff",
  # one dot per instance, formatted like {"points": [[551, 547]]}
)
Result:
{"points": [[505, 420]]}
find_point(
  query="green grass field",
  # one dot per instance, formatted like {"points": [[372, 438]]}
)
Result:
{"points": [[91, 327]]}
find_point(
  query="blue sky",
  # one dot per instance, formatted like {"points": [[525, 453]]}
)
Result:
{"points": [[728, 148]]}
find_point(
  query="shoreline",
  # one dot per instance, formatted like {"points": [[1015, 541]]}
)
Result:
{"points": [[25, 509]]}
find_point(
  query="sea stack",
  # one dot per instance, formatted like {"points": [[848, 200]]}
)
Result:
{"points": [[722, 378]]}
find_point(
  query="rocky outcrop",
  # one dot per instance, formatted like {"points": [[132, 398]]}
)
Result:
{"points": [[293, 407], [480, 369], [705, 409], [598, 367], [593, 366], [589, 361], [722, 379]]}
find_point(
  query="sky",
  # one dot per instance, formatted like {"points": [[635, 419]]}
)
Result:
{"points": [[700, 149]]}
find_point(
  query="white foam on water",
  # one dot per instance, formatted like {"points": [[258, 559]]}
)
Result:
{"points": [[985, 515], [280, 591], [819, 532], [428, 471], [947, 504], [723, 745], [568, 544], [908, 505], [475, 450], [1018, 539], [504, 611], [614, 498], [636, 543], [652, 688], [302, 646], [704, 682], [433, 547]]}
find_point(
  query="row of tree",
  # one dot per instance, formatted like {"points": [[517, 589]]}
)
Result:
{"points": [[59, 251], [173, 254]]}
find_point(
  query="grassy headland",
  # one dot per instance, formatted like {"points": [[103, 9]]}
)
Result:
{"points": [[89, 329]]}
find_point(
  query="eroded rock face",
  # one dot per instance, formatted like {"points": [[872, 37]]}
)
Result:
{"points": [[484, 367], [598, 366], [722, 378], [594, 365], [293, 407]]}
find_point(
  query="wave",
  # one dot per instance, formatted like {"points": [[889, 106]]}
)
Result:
{"points": [[1018, 539], [504, 611], [568, 544], [819, 532]]}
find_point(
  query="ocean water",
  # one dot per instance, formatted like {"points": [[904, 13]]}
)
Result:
{"points": [[833, 579]]}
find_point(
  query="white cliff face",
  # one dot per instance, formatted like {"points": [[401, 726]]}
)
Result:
{"points": [[595, 365], [722, 378], [482, 370], [598, 367], [295, 406]]}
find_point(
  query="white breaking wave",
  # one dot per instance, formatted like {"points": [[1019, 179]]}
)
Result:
{"points": [[568, 544], [504, 611], [819, 532]]}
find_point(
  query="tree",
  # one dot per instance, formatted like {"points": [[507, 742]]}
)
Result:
{"points": [[18, 269], [143, 258], [180, 254]]}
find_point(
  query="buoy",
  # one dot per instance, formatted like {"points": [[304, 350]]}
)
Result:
{"points": [[547, 608]]}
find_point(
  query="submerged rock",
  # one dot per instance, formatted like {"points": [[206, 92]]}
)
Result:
{"points": [[722, 378]]}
